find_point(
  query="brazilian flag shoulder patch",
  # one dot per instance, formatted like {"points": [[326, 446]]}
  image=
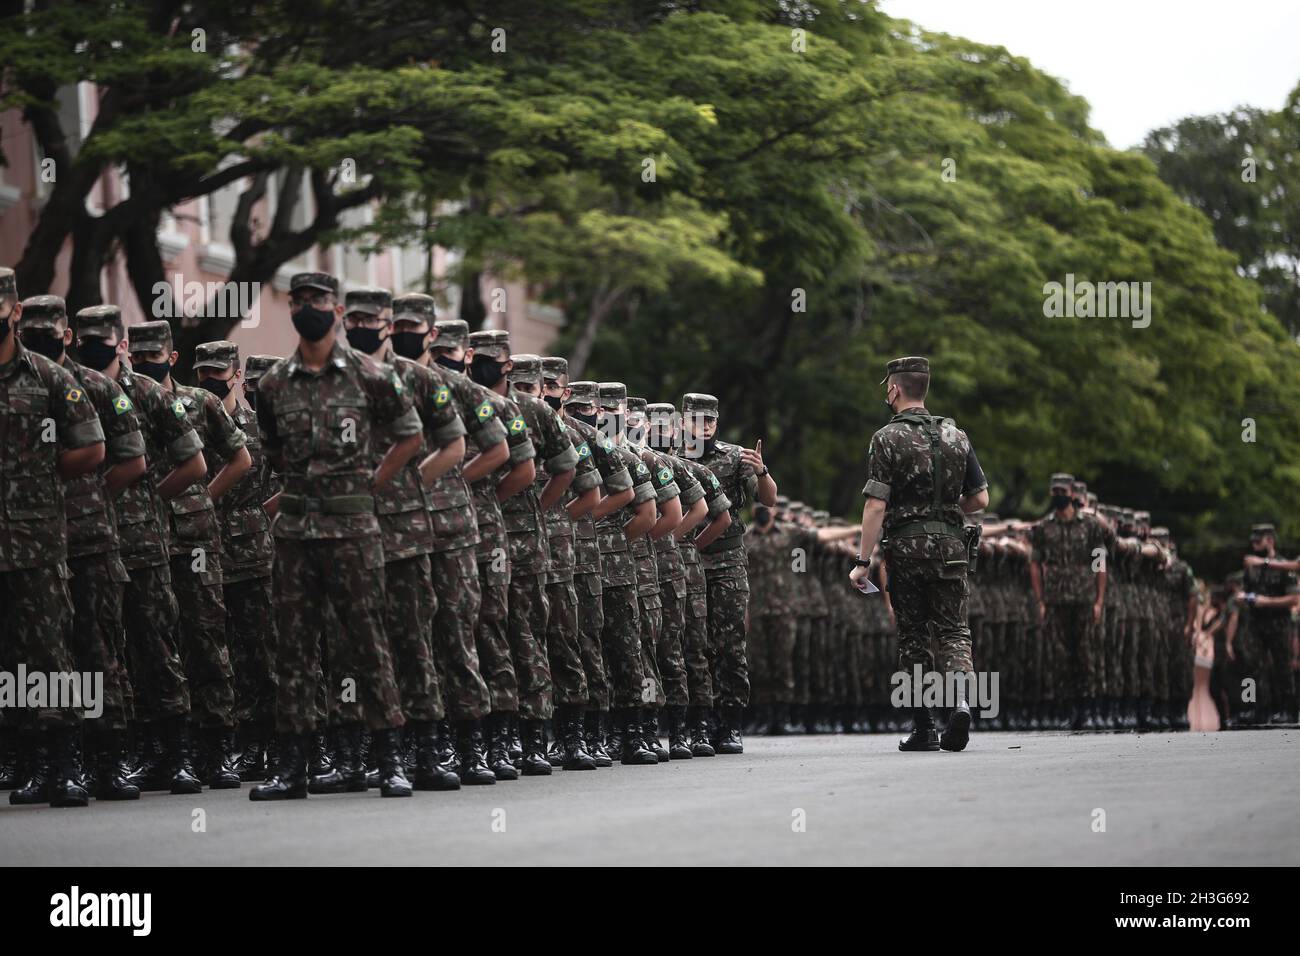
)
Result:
{"points": [[517, 424], [397, 384], [484, 411], [442, 396], [584, 451], [121, 404], [178, 409], [665, 475], [606, 444], [641, 469], [73, 395]]}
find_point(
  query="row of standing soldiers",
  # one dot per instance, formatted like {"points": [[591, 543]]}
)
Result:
{"points": [[404, 548], [823, 657]]}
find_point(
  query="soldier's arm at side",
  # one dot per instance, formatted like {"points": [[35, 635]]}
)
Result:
{"points": [[124, 474], [80, 461], [642, 521], [555, 488], [611, 503], [975, 488], [396, 457], [583, 504], [836, 534], [192, 469], [517, 479], [230, 474], [670, 516], [698, 511], [443, 460], [486, 461], [713, 530]]}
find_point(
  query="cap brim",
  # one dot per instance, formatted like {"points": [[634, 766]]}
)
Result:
{"points": [[366, 308], [311, 285], [212, 363], [40, 322], [134, 347]]}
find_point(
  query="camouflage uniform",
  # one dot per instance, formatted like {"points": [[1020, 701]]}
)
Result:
{"points": [[328, 550], [195, 547], [773, 620], [695, 633], [1268, 636]]}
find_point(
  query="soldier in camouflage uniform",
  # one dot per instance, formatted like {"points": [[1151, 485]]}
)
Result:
{"points": [[564, 654], [455, 536], [506, 478], [195, 548], [1178, 617], [322, 413], [525, 526], [743, 476], [922, 476], [98, 575], [1069, 577], [151, 615], [50, 434], [1269, 626], [406, 526], [247, 552], [667, 435]]}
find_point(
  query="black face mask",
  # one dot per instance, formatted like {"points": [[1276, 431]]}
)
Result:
{"points": [[486, 370], [1079, 503], [313, 324], [408, 344], [585, 419], [554, 401], [611, 424], [4, 328], [364, 340], [216, 386], [762, 516], [96, 354], [450, 363], [1061, 502], [637, 434], [155, 370], [42, 343]]}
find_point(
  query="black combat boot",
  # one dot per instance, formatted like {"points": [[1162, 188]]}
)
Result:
{"points": [[288, 779], [568, 721], [633, 750], [252, 762], [430, 773], [678, 747], [176, 766], [595, 727], [272, 755], [331, 762], [650, 734], [1142, 722], [729, 739], [446, 745], [61, 786], [219, 770], [349, 762], [9, 764], [516, 746], [1162, 715], [498, 755], [956, 735], [368, 758], [614, 733], [533, 739], [923, 735], [471, 764], [392, 775], [34, 769], [701, 746], [554, 733], [111, 781]]}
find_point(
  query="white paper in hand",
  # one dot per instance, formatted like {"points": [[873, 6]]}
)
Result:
{"points": [[866, 587]]}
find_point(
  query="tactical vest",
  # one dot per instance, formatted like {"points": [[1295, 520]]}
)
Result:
{"points": [[941, 518]]}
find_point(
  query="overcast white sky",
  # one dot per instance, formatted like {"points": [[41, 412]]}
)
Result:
{"points": [[1139, 63]]}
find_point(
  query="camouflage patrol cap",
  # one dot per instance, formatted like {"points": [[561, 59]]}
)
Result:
{"points": [[782, 501], [8, 281], [638, 405], [452, 334], [990, 517], [368, 301], [1259, 530], [1142, 517], [526, 367], [554, 368], [1062, 479], [584, 393], [909, 363], [1160, 533], [220, 354], [149, 336], [1079, 487], [494, 343], [1092, 499], [700, 403], [255, 366], [415, 307], [612, 394], [99, 321], [313, 280], [43, 312], [821, 517]]}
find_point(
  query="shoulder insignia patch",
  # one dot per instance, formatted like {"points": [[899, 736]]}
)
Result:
{"points": [[665, 475], [178, 409], [584, 451], [641, 469], [397, 384], [606, 444], [713, 478], [517, 425], [121, 404], [73, 395], [442, 396], [484, 411]]}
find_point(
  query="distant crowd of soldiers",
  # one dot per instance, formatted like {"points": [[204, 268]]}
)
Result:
{"points": [[823, 658], [401, 549]]}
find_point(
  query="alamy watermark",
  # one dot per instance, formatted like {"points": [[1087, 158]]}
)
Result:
{"points": [[933, 689], [1103, 300], [53, 690]]}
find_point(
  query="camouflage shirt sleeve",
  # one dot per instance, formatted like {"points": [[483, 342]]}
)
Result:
{"points": [[123, 439], [390, 400], [271, 446], [438, 409], [479, 417], [691, 490], [521, 443], [74, 415], [554, 445], [587, 474], [879, 463], [167, 415], [1037, 540], [714, 493], [662, 477], [612, 468], [223, 435], [643, 488]]}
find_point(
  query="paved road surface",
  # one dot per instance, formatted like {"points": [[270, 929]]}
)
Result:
{"points": [[1189, 799]]}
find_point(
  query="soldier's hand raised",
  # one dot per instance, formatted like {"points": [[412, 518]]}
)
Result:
{"points": [[753, 456]]}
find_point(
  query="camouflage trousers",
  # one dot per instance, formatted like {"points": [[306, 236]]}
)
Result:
{"points": [[822, 660], [333, 588], [801, 660], [97, 584], [151, 615], [528, 613], [1181, 663], [728, 602], [652, 623], [591, 621], [491, 638], [929, 598], [1097, 640], [668, 649], [202, 631], [772, 639], [620, 641], [455, 582], [1068, 629], [1113, 648], [35, 617], [1272, 638], [250, 635], [695, 648], [408, 618], [563, 650]]}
